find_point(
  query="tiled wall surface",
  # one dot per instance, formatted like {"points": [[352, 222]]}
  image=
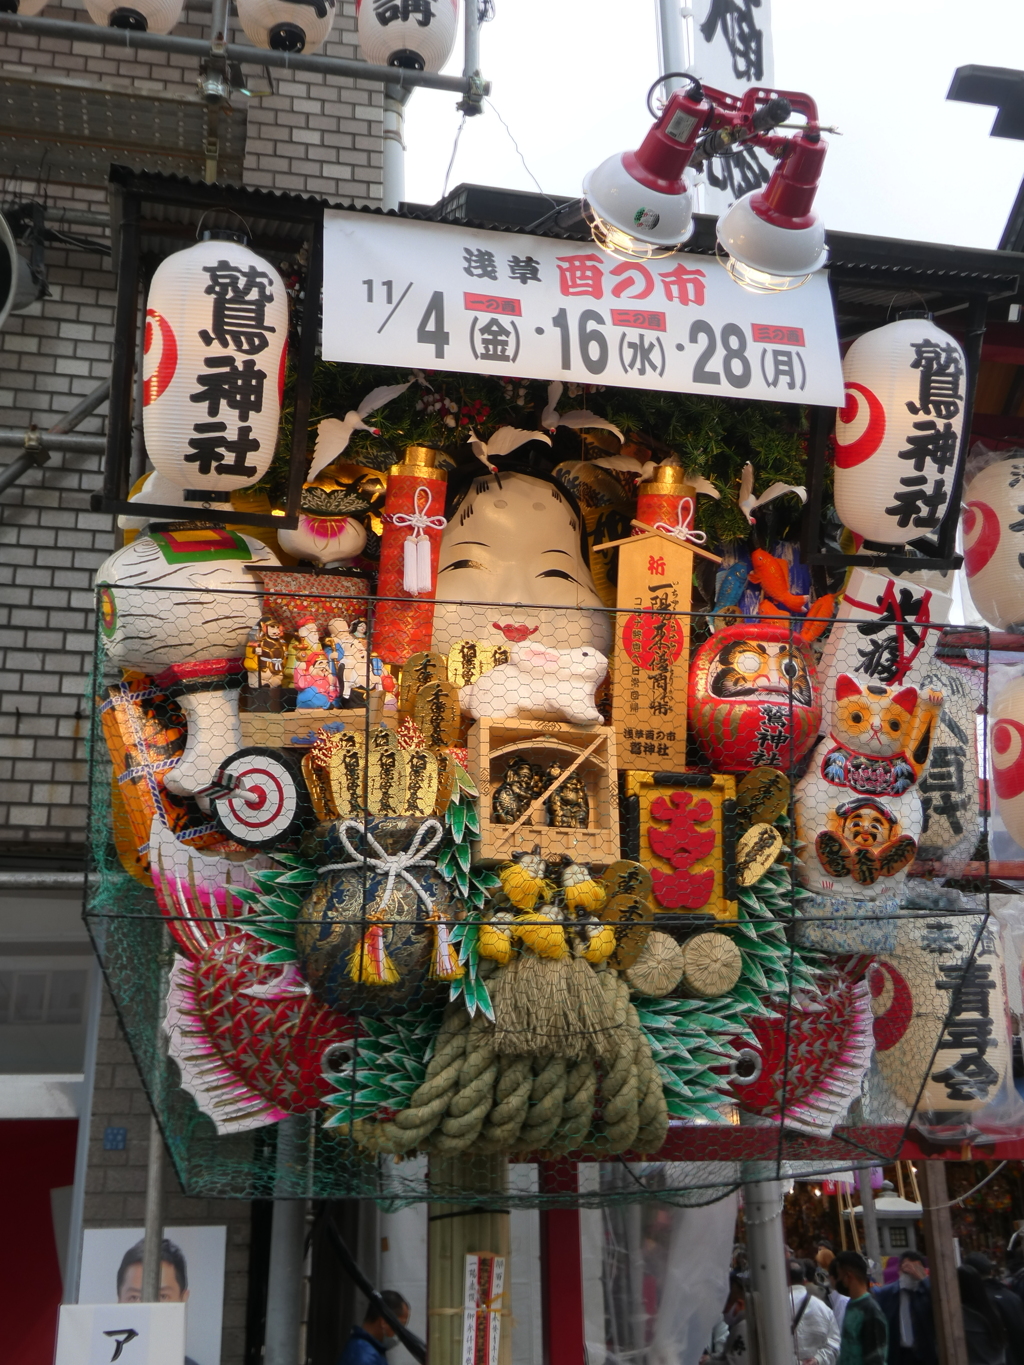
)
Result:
{"points": [[313, 135]]}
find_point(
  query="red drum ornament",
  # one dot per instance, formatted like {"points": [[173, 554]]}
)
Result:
{"points": [[754, 698], [898, 436], [213, 373], [994, 541], [410, 547], [1006, 737], [416, 34], [667, 504]]}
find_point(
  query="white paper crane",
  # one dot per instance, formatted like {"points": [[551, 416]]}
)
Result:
{"points": [[504, 440], [333, 436], [749, 504], [576, 420], [645, 471]]}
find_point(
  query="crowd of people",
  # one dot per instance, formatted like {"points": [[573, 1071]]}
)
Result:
{"points": [[839, 1317]]}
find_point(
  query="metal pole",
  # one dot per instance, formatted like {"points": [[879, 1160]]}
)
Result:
{"points": [[82, 409], [872, 1244], [766, 1256], [133, 39], [73, 1258], [471, 40], [395, 101], [287, 1253], [154, 1233], [672, 53]]}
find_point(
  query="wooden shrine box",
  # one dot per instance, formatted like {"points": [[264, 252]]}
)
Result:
{"points": [[692, 860], [590, 752], [651, 655], [281, 729]]}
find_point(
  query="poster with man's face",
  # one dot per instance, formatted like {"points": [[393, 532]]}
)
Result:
{"points": [[191, 1272]]}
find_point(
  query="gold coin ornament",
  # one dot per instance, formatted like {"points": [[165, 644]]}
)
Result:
{"points": [[420, 669], [385, 781], [762, 797], [756, 850], [711, 966], [469, 660], [626, 878], [630, 917], [436, 712], [420, 782]]}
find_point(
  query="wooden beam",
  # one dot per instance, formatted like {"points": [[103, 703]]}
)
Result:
{"points": [[945, 1291]]}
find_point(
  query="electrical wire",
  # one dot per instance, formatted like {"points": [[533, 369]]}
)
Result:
{"points": [[451, 163], [973, 1190], [519, 152]]}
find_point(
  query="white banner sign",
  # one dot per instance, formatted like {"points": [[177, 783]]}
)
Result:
{"points": [[129, 1333], [438, 296]]}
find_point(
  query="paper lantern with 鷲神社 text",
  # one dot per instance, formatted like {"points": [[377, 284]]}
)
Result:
{"points": [[994, 542], [898, 436], [1006, 737], [287, 25], [213, 374], [416, 34]]}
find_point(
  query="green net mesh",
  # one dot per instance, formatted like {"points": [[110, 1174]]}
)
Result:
{"points": [[385, 938]]}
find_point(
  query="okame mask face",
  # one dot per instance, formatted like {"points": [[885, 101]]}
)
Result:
{"points": [[514, 540]]}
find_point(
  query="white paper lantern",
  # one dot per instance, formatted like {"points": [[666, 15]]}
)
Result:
{"points": [[145, 16], [1006, 738], [287, 25], [994, 543], [417, 34], [898, 436], [216, 336]]}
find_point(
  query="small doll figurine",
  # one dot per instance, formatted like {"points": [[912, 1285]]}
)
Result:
{"points": [[265, 657], [353, 667], [317, 685], [515, 792]]}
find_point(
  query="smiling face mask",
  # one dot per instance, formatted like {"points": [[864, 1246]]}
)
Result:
{"points": [[512, 569]]}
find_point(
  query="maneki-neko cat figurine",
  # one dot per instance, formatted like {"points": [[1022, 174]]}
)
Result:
{"points": [[858, 813], [754, 698]]}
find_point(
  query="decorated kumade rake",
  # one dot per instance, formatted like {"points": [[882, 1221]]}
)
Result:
{"points": [[499, 825]]}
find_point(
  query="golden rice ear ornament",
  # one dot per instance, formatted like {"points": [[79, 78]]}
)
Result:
{"points": [[495, 942], [580, 890], [523, 888], [601, 946]]}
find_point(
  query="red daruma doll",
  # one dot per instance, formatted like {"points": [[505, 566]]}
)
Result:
{"points": [[413, 522]]}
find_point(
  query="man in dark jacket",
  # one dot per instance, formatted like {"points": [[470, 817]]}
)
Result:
{"points": [[907, 1305], [369, 1343], [1006, 1304]]}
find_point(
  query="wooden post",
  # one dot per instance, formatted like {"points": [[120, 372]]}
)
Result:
{"points": [[456, 1231], [938, 1230], [561, 1269]]}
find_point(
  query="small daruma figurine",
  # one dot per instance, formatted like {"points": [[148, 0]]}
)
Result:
{"points": [[754, 698]]}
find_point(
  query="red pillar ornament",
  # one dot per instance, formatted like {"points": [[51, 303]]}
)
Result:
{"points": [[413, 522], [667, 504]]}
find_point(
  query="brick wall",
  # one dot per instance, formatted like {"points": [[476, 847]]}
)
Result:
{"points": [[312, 136]]}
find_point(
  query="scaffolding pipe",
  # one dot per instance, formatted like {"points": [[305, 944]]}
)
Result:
{"points": [[394, 146], [237, 52], [766, 1258], [73, 441]]}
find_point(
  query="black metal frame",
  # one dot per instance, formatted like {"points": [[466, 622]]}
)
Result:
{"points": [[132, 191]]}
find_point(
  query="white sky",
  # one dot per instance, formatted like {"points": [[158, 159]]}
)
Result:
{"points": [[569, 77]]}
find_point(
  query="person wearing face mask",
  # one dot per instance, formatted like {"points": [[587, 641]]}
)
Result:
{"points": [[370, 1342], [815, 1330], [907, 1305], [865, 1335]]}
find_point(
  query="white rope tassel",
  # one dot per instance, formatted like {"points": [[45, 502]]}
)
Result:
{"points": [[416, 576], [682, 530], [393, 865]]}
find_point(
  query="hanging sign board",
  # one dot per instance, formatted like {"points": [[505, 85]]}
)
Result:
{"points": [[132, 1333], [437, 296]]}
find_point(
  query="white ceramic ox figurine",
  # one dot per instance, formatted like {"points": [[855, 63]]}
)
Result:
{"points": [[179, 604], [540, 684]]}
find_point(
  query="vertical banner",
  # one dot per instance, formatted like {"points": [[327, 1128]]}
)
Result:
{"points": [[732, 50], [481, 1323]]}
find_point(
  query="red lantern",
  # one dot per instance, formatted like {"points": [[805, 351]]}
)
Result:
{"points": [[754, 698]]}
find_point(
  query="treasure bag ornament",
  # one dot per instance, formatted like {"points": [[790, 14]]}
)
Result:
{"points": [[374, 931]]}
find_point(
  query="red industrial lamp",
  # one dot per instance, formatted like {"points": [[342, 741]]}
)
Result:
{"points": [[640, 204]]}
